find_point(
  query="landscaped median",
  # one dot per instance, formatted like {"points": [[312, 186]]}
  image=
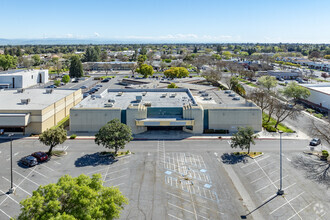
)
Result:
{"points": [[270, 125], [251, 154]]}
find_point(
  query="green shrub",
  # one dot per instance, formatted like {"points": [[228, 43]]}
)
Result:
{"points": [[73, 136], [309, 110], [270, 128], [319, 115], [325, 153]]}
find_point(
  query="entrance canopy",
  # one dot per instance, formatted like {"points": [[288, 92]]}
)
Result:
{"points": [[164, 122], [14, 119]]}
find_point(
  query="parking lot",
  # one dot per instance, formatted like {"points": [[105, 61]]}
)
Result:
{"points": [[171, 180], [303, 199]]}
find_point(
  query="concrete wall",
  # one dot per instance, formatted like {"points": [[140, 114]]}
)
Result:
{"points": [[196, 113], [91, 120], [24, 79], [136, 112], [232, 118]]}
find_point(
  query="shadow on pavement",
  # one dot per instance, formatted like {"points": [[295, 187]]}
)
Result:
{"points": [[94, 160], [233, 159]]}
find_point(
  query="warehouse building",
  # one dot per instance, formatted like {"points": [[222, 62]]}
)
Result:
{"points": [[320, 96], [32, 111], [22, 78], [166, 109]]}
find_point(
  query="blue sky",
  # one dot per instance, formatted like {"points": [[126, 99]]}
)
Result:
{"points": [[168, 20]]}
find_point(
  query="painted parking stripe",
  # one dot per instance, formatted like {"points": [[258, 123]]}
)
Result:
{"points": [[18, 187], [270, 184], [9, 197], [26, 178], [288, 202], [255, 161], [260, 167], [5, 214], [47, 167], [186, 210], [174, 217], [300, 211], [116, 178]]}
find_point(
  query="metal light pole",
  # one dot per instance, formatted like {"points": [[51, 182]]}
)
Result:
{"points": [[12, 189], [280, 190]]}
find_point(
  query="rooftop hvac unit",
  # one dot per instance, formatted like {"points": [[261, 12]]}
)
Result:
{"points": [[25, 101], [164, 95], [205, 94], [144, 93], [111, 100], [20, 90], [228, 91], [208, 98], [147, 104], [173, 95], [138, 98], [108, 105], [231, 95], [49, 91], [119, 93], [200, 92]]}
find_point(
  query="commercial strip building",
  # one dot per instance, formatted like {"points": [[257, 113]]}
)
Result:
{"points": [[22, 78], [281, 74], [115, 65], [174, 109], [32, 111], [320, 96]]}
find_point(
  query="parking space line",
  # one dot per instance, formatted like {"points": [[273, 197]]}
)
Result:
{"points": [[265, 173], [300, 211], [289, 186], [17, 186], [57, 162], [119, 184], [288, 202], [6, 214], [174, 217], [254, 161], [116, 165], [115, 178], [40, 174], [270, 184], [186, 210], [9, 197], [258, 168], [257, 179], [26, 178], [47, 167]]}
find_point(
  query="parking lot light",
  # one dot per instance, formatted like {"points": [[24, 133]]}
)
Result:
{"points": [[12, 189], [280, 190]]}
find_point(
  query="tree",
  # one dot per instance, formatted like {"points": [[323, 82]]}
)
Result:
{"points": [[57, 83], [106, 67], [146, 70], [57, 64], [236, 86], [66, 79], [92, 54], [81, 197], [176, 72], [36, 60], [324, 75], [243, 138], [294, 91], [141, 60], [114, 135], [172, 86], [7, 62], [268, 82], [27, 63], [52, 137], [76, 68], [104, 56], [261, 98]]}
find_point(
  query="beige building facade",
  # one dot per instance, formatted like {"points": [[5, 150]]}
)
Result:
{"points": [[32, 111]]}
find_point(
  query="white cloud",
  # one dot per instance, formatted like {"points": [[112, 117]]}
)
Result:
{"points": [[96, 34], [69, 35], [179, 37]]}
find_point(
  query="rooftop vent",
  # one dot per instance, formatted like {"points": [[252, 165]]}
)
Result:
{"points": [[208, 98], [144, 93], [138, 98], [231, 95], [111, 100], [164, 95], [119, 93], [200, 92], [49, 91], [108, 105], [25, 101], [172, 95], [228, 91], [147, 104], [205, 94], [20, 90]]}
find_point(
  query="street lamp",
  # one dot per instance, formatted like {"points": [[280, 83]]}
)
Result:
{"points": [[12, 189], [280, 190]]}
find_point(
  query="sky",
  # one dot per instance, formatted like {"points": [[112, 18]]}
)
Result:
{"points": [[200, 21]]}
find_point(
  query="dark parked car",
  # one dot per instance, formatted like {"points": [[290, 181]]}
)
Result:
{"points": [[315, 142], [29, 161], [105, 80], [41, 156]]}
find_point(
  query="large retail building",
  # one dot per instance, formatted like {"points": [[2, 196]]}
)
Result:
{"points": [[32, 111], [177, 109], [22, 78]]}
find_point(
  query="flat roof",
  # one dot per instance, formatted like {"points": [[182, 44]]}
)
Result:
{"points": [[19, 71], [39, 99], [125, 97], [323, 88]]}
